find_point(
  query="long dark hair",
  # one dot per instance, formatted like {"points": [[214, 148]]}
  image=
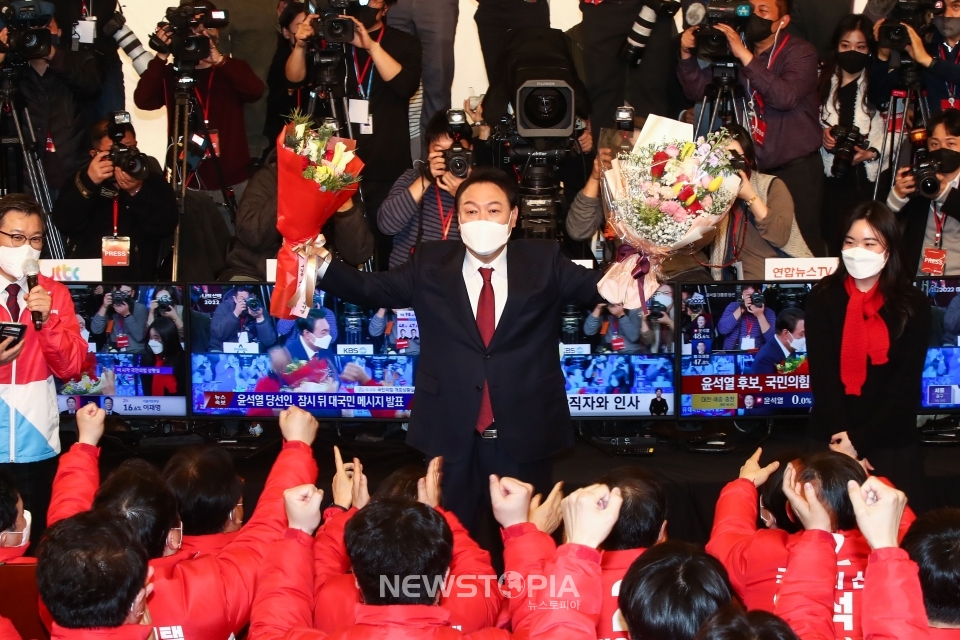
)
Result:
{"points": [[830, 69], [895, 282], [173, 354]]}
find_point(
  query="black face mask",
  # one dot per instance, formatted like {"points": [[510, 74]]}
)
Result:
{"points": [[758, 29], [368, 16], [948, 158], [853, 61]]}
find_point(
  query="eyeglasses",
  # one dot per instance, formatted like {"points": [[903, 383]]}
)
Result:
{"points": [[19, 240]]}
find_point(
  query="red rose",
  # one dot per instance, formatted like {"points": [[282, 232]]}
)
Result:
{"points": [[305, 162], [685, 193], [328, 156], [695, 208], [659, 164]]}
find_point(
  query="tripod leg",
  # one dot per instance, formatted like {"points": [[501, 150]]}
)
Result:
{"points": [[38, 183], [715, 111], [346, 111], [703, 108], [890, 125], [903, 131]]}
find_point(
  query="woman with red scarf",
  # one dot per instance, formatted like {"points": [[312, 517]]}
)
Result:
{"points": [[867, 332], [166, 353]]}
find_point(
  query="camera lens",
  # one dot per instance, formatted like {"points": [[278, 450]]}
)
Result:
{"points": [[459, 167], [546, 108]]}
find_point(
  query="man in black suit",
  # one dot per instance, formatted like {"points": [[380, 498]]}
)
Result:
{"points": [[108, 407], [489, 394], [789, 339]]}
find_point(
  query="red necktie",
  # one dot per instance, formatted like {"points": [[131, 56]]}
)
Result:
{"points": [[486, 323], [13, 302]]}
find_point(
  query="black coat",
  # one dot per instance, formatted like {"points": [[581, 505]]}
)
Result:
{"points": [[913, 220], [884, 415], [521, 364]]}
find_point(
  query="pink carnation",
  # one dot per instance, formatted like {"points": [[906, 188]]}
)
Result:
{"points": [[705, 182], [673, 208], [672, 151], [652, 202]]}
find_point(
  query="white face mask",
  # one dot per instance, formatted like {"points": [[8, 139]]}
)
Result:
{"points": [[11, 259], [155, 346], [484, 237], [862, 263], [25, 539], [322, 342], [799, 344]]}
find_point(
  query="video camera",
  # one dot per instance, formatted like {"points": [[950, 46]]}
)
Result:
{"points": [[330, 25], [847, 140], [127, 159], [28, 37], [925, 168], [712, 44], [893, 32], [180, 25], [459, 159]]}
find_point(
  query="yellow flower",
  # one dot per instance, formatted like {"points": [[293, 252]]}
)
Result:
{"points": [[688, 149], [715, 184], [689, 201], [677, 188]]}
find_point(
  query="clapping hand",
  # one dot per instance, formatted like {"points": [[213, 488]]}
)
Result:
{"points": [[428, 487]]}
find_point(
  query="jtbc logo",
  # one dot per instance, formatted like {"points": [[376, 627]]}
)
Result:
{"points": [[64, 273]]}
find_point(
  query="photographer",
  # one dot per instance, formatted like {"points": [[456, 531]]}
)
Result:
{"points": [[222, 86], [383, 73], [747, 324], [56, 91], [235, 316], [127, 321], [105, 49], [284, 96], [420, 207], [623, 330], [166, 304], [780, 75], [146, 207], [938, 58], [843, 105], [761, 224], [931, 224]]}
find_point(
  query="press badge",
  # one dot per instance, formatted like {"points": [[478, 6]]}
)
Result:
{"points": [[934, 261], [116, 251], [359, 111], [748, 344], [123, 341], [214, 136], [617, 343]]}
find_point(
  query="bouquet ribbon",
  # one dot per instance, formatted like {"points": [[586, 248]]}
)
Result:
{"points": [[640, 269], [310, 255]]}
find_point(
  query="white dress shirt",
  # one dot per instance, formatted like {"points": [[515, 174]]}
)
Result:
{"points": [[950, 237], [474, 282], [309, 350], [783, 347]]}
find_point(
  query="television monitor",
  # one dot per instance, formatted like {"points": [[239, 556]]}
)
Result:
{"points": [[732, 363], [341, 361], [616, 367], [941, 370], [136, 366]]}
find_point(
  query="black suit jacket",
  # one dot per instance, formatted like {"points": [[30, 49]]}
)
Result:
{"points": [[913, 220], [767, 359], [521, 365]]}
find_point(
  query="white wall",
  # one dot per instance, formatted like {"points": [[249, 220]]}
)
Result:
{"points": [[143, 15]]}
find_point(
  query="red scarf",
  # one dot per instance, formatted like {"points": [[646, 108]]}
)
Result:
{"points": [[865, 335]]}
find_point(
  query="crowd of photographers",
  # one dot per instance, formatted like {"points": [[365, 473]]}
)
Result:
{"points": [[802, 547]]}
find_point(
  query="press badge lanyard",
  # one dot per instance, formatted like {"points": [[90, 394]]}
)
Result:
{"points": [[445, 219], [951, 87], [206, 107], [116, 214], [749, 322], [366, 68], [939, 219], [754, 96]]}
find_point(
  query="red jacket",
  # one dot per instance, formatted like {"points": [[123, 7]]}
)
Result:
{"points": [[27, 384], [211, 544], [9, 554], [756, 560], [472, 604], [7, 630], [805, 597], [526, 550], [284, 603], [201, 595], [123, 632]]}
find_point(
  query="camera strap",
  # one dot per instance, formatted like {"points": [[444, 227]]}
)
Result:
{"points": [[366, 69], [445, 219]]}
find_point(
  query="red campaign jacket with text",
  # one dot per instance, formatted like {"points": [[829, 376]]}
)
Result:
{"points": [[284, 603], [200, 596], [472, 604], [805, 597], [756, 559], [526, 550], [123, 632]]}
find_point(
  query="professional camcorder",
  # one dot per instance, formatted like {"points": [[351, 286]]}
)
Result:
{"points": [[181, 24], [459, 159], [847, 141], [330, 25], [925, 168], [712, 44], [127, 159], [893, 32], [26, 22]]}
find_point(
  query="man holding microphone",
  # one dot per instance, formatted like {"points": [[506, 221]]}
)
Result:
{"points": [[490, 393], [30, 421]]}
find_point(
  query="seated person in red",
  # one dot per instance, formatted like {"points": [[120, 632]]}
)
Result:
{"points": [[413, 544], [209, 496], [641, 524], [207, 596], [94, 580], [756, 559], [471, 603], [14, 521]]}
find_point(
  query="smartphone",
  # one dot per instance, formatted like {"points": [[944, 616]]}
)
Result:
{"points": [[13, 330]]}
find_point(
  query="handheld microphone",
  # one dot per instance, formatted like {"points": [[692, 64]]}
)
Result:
{"points": [[31, 269]]}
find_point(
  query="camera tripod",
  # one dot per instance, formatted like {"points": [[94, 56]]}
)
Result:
{"points": [[19, 155], [909, 93], [329, 76], [185, 106], [725, 97]]}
